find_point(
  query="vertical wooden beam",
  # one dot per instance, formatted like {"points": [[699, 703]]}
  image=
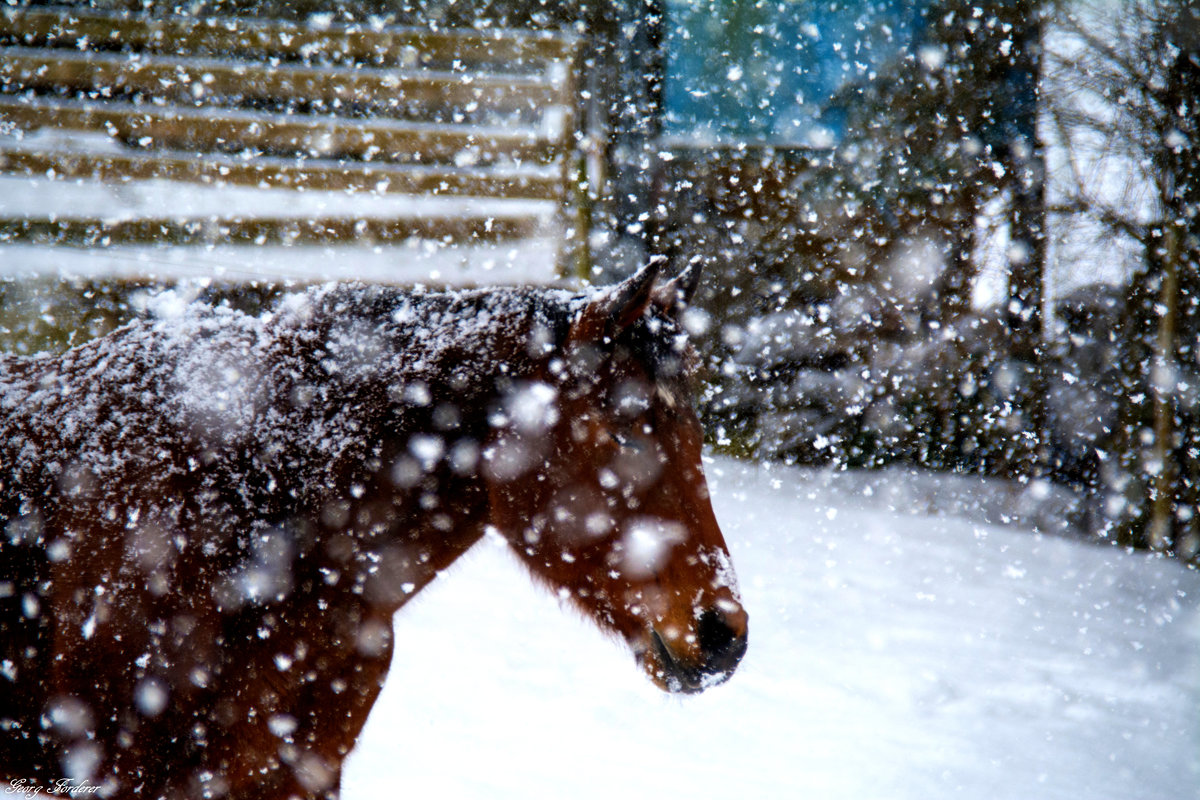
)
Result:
{"points": [[574, 257]]}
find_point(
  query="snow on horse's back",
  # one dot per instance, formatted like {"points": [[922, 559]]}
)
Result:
{"points": [[209, 518]]}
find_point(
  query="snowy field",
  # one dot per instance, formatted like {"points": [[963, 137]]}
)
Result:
{"points": [[900, 647]]}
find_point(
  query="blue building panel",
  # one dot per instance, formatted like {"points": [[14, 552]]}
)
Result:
{"points": [[778, 72]]}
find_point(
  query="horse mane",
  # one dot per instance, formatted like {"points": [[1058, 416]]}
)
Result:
{"points": [[225, 380]]}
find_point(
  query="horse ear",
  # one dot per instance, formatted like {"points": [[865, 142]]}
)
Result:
{"points": [[618, 307], [674, 295]]}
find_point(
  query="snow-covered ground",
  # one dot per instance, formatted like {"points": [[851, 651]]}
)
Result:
{"points": [[899, 648]]}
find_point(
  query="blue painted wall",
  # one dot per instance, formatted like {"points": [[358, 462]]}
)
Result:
{"points": [[777, 72]]}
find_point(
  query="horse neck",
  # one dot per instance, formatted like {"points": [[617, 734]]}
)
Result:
{"points": [[400, 359]]}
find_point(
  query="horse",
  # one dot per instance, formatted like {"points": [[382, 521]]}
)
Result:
{"points": [[209, 518]]}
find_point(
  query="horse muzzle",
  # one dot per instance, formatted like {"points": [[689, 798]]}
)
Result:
{"points": [[720, 644]]}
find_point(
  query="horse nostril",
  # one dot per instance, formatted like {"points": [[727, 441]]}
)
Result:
{"points": [[723, 645], [721, 640], [714, 632]]}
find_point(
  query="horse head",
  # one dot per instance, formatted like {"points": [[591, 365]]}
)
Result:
{"points": [[595, 479]]}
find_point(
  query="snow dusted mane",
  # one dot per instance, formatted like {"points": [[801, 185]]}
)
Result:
{"points": [[307, 374]]}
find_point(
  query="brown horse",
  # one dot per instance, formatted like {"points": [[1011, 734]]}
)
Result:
{"points": [[208, 519]]}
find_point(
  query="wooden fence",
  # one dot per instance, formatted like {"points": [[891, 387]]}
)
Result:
{"points": [[477, 116]]}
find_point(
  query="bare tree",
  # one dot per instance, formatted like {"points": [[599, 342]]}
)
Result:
{"points": [[954, 129], [1128, 104]]}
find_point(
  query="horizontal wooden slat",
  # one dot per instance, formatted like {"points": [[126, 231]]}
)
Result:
{"points": [[268, 104], [266, 172], [205, 80], [318, 136], [388, 46], [262, 230]]}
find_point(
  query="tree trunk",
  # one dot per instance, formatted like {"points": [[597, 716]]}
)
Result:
{"points": [[1025, 311], [1163, 468]]}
